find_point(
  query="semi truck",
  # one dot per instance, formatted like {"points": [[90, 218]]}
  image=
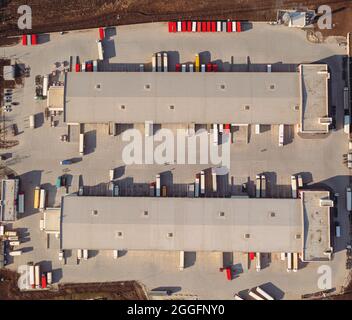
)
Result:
{"points": [[294, 186], [264, 294], [37, 276], [42, 199], [196, 188], [255, 296], [159, 62], [289, 261], [100, 50], [295, 262], [197, 63], [36, 198], [281, 135], [347, 122], [32, 121], [165, 63], [202, 183], [95, 65], [257, 186], [263, 186], [215, 134], [45, 85], [157, 188], [213, 177], [154, 62], [348, 199], [345, 98], [31, 275], [258, 262], [81, 144], [20, 206]]}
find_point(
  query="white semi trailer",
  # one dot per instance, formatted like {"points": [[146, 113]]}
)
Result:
{"points": [[100, 50]]}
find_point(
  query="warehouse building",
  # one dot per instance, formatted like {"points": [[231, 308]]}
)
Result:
{"points": [[199, 224], [9, 195], [241, 98]]}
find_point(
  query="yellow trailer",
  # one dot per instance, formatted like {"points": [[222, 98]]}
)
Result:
{"points": [[36, 197], [197, 63]]}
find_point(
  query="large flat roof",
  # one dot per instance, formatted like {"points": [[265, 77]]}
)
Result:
{"points": [[314, 97], [9, 192], [316, 232], [196, 224], [210, 97]]}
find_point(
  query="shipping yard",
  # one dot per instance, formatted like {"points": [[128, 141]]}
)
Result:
{"points": [[76, 217]]}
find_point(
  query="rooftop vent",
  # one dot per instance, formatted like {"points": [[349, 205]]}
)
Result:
{"points": [[119, 234], [147, 87], [272, 87], [94, 212], [297, 236], [221, 214], [272, 214], [122, 107], [97, 86], [222, 87], [145, 213], [246, 107], [172, 107], [247, 235], [170, 234]]}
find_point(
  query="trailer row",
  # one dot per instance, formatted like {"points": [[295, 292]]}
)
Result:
{"points": [[205, 26], [39, 198], [88, 66], [257, 293], [209, 67], [160, 62], [29, 39], [38, 279]]}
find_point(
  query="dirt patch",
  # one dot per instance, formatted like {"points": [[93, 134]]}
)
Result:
{"points": [[53, 16], [127, 290]]}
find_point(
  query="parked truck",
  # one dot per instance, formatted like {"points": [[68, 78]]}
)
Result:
{"points": [[45, 85], [32, 121], [165, 62], [154, 62], [159, 62], [100, 50], [263, 186], [347, 122], [202, 183], [257, 186], [20, 206], [281, 135], [157, 187], [95, 65], [36, 197], [345, 98], [294, 186], [348, 199], [197, 63], [42, 199], [81, 144]]}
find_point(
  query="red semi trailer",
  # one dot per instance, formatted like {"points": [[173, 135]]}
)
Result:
{"points": [[101, 33], [24, 39], [34, 39]]}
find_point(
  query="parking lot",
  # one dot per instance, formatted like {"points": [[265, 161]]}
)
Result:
{"points": [[36, 159]]}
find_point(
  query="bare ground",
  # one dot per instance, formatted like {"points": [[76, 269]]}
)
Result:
{"points": [[127, 290], [61, 15]]}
